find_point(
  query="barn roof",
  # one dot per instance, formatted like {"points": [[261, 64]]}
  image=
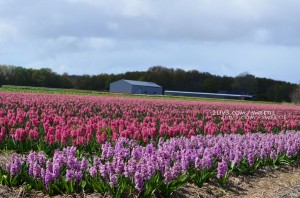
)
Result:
{"points": [[208, 94], [141, 83]]}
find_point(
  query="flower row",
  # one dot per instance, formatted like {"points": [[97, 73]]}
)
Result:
{"points": [[72, 120], [162, 167]]}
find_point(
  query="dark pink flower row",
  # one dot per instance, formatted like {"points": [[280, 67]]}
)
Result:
{"points": [[82, 119]]}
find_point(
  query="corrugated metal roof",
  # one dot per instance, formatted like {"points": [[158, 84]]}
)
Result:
{"points": [[141, 83], [207, 94]]}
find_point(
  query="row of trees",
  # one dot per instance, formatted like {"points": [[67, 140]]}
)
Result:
{"points": [[168, 78]]}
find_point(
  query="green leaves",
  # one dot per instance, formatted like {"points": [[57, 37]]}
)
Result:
{"points": [[167, 189], [152, 185], [82, 184], [224, 179], [199, 177], [4, 180]]}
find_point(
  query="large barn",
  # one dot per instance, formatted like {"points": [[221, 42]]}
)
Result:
{"points": [[135, 87]]}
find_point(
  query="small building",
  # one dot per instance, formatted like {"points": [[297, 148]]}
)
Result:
{"points": [[135, 87], [209, 95]]}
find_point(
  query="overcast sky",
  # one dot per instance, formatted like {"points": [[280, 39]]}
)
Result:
{"points": [[224, 37]]}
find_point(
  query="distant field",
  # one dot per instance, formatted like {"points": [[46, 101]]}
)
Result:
{"points": [[11, 88]]}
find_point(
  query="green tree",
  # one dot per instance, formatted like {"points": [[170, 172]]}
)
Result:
{"points": [[211, 85], [65, 80], [244, 83]]}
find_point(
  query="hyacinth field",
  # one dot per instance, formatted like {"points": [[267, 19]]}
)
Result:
{"points": [[144, 147]]}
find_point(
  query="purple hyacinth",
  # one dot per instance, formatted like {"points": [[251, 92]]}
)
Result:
{"points": [[41, 157], [14, 167], [168, 158], [32, 157], [84, 164], [207, 161], [113, 180], [70, 175], [36, 172], [78, 176], [103, 171], [222, 169], [56, 169], [70, 151], [93, 171], [273, 155], [168, 176], [198, 163], [176, 170], [138, 181], [251, 159], [48, 178]]}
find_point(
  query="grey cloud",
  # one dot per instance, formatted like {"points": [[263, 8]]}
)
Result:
{"points": [[94, 36], [191, 20]]}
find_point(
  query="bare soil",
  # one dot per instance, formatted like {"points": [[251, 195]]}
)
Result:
{"points": [[283, 181], [279, 182]]}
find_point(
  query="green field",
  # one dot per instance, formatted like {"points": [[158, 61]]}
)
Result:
{"points": [[12, 88]]}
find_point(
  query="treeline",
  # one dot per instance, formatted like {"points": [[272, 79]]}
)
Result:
{"points": [[170, 79]]}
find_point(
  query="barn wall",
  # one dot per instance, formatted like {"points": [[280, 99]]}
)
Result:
{"points": [[120, 86], [146, 90]]}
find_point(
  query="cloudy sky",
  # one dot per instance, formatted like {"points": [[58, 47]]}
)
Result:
{"points": [[224, 37]]}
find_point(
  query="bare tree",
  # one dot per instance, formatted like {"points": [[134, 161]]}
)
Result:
{"points": [[295, 95]]}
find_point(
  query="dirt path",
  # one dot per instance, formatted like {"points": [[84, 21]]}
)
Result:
{"points": [[278, 182]]}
